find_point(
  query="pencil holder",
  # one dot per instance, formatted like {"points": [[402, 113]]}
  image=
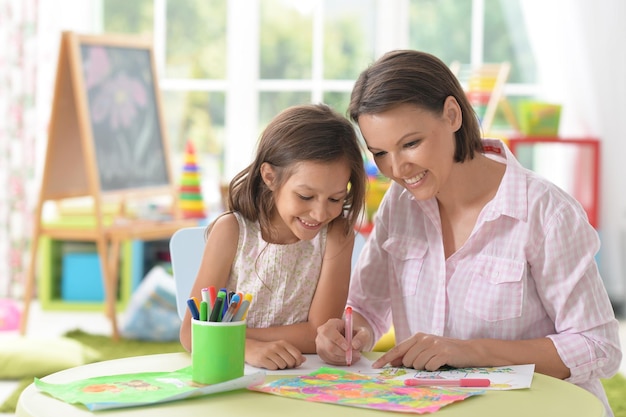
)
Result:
{"points": [[217, 351]]}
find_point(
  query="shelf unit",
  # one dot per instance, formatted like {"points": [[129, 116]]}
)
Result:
{"points": [[137, 257], [50, 285], [571, 163]]}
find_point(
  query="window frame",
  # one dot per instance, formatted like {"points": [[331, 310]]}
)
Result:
{"points": [[243, 86]]}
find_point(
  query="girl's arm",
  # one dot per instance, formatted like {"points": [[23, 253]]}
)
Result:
{"points": [[217, 258], [331, 342], [330, 296]]}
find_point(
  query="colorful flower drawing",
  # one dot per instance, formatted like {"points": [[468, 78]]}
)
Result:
{"points": [[122, 103], [330, 385], [119, 100], [98, 66]]}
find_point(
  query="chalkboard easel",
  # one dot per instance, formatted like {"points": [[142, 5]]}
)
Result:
{"points": [[106, 142]]}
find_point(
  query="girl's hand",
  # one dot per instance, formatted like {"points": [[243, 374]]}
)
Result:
{"points": [[331, 344], [273, 355], [426, 351]]}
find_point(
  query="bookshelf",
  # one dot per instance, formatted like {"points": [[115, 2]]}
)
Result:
{"points": [[571, 163]]}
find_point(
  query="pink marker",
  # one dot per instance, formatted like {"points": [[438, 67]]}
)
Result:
{"points": [[348, 332], [463, 382]]}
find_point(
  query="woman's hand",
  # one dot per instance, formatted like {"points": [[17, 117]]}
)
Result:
{"points": [[331, 345], [430, 352], [273, 355], [426, 351]]}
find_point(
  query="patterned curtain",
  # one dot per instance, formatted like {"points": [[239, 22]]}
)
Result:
{"points": [[18, 131]]}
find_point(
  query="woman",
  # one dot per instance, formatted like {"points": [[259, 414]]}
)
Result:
{"points": [[475, 260]]}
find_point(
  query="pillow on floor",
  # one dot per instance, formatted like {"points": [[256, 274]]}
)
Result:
{"points": [[26, 357]]}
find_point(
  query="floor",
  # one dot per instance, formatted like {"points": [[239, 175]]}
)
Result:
{"points": [[51, 324]]}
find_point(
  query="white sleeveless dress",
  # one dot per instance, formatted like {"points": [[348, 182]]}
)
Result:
{"points": [[281, 278]]}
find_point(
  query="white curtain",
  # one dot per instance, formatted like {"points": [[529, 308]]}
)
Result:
{"points": [[578, 45], [30, 32], [18, 127]]}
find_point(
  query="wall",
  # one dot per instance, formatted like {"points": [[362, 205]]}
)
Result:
{"points": [[582, 66], [55, 16], [609, 71]]}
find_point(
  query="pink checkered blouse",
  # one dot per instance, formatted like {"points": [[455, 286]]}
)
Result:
{"points": [[528, 270]]}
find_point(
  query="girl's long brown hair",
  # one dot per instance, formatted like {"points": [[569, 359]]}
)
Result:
{"points": [[314, 133]]}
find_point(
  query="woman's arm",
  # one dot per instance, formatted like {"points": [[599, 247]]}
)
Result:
{"points": [[430, 352], [584, 342], [217, 258], [329, 299], [572, 291]]}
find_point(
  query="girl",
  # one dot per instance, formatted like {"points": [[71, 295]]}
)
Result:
{"points": [[288, 234]]}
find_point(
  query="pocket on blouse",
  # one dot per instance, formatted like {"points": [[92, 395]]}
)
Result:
{"points": [[496, 290], [406, 258]]}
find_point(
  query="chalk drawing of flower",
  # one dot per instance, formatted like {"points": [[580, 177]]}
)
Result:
{"points": [[118, 100], [98, 65]]}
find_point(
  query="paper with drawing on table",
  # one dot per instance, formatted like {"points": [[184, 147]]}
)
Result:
{"points": [[501, 377], [342, 387], [313, 363], [139, 389]]}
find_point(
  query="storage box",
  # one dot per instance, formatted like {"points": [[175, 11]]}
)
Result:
{"points": [[60, 288], [81, 278], [537, 118]]}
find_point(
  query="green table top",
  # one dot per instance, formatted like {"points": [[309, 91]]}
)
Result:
{"points": [[547, 397]]}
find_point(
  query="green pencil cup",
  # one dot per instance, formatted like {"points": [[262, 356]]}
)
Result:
{"points": [[217, 351]]}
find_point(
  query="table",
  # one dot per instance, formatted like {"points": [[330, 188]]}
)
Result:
{"points": [[547, 397]]}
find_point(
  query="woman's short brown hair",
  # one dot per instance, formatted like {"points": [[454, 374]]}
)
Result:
{"points": [[421, 79]]}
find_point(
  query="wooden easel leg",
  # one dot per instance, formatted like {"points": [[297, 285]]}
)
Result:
{"points": [[114, 258], [108, 282]]}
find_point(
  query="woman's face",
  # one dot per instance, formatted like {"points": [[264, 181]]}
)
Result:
{"points": [[413, 146]]}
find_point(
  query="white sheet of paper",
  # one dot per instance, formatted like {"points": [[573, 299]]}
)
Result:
{"points": [[501, 377], [314, 362]]}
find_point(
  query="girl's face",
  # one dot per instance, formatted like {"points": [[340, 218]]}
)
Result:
{"points": [[309, 199], [413, 146]]}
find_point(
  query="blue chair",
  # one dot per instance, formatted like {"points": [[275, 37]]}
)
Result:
{"points": [[186, 247]]}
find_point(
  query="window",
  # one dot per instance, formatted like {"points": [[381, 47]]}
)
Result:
{"points": [[495, 33], [312, 51], [228, 66]]}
